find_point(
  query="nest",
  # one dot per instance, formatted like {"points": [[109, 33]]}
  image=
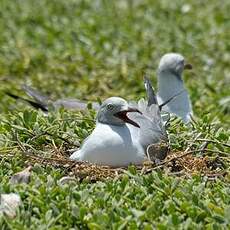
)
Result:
{"points": [[80, 170], [177, 163]]}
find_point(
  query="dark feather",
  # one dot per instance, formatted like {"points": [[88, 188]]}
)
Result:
{"points": [[34, 104]]}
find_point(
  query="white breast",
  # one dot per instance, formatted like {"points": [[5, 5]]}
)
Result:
{"points": [[111, 145]]}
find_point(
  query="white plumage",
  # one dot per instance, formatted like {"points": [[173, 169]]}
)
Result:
{"points": [[122, 140], [170, 83], [111, 145]]}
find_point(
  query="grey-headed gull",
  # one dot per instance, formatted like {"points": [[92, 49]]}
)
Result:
{"points": [[123, 132], [113, 142]]}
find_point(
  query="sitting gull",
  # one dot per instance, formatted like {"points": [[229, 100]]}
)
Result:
{"points": [[123, 133], [112, 142]]}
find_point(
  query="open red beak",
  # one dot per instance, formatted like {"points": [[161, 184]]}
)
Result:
{"points": [[123, 116]]}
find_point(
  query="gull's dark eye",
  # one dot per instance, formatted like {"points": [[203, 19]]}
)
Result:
{"points": [[110, 106]]}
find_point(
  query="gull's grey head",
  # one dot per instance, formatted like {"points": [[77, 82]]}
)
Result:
{"points": [[173, 63], [114, 111]]}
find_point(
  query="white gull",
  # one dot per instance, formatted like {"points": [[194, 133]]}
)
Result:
{"points": [[170, 83], [123, 132], [113, 142]]}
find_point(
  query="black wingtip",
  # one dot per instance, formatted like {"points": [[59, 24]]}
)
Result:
{"points": [[34, 104], [12, 95]]}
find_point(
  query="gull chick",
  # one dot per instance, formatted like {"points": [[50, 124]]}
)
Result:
{"points": [[113, 142], [170, 83]]}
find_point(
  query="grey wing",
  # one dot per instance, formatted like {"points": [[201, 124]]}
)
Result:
{"points": [[69, 103], [74, 104], [152, 120], [151, 129], [37, 96], [152, 109]]}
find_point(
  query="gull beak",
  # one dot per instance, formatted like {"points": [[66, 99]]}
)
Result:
{"points": [[187, 66], [123, 116], [133, 110]]}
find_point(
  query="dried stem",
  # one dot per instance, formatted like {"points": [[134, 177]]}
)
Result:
{"points": [[160, 165]]}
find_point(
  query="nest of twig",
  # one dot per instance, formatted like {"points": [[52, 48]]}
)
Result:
{"points": [[178, 163], [81, 170], [190, 165]]}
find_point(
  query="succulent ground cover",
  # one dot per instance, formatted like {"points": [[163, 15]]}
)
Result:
{"points": [[92, 50]]}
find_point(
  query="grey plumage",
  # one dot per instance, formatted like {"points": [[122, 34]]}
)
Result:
{"points": [[151, 96], [152, 127], [170, 83], [45, 104]]}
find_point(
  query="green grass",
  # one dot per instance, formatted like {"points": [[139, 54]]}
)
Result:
{"points": [[95, 49]]}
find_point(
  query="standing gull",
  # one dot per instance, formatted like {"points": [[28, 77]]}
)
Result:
{"points": [[170, 83]]}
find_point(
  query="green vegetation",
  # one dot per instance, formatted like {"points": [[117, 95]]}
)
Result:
{"points": [[95, 49]]}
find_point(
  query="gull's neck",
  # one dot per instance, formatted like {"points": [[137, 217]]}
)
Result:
{"points": [[169, 85]]}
